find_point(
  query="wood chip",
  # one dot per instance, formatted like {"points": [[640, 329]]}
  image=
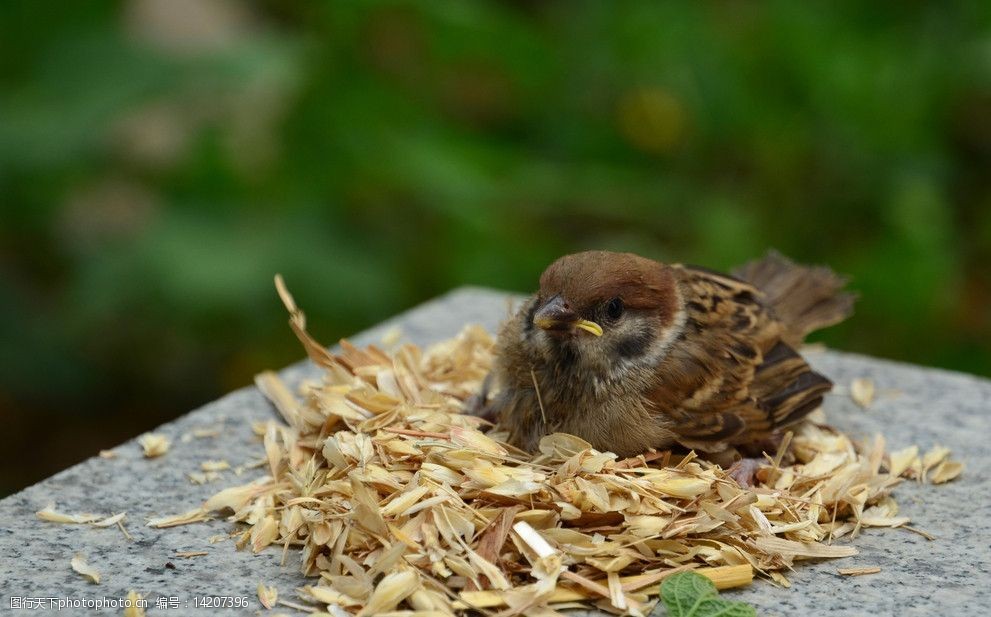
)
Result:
{"points": [[533, 539], [136, 604], [903, 460], [391, 590], [924, 534], [392, 336], [111, 520], [862, 391], [858, 571], [790, 548], [153, 444], [402, 504], [197, 477], [214, 465], [724, 577], [192, 516], [51, 515], [268, 596], [78, 563], [946, 471]]}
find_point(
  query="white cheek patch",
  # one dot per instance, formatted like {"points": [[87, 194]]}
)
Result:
{"points": [[663, 343]]}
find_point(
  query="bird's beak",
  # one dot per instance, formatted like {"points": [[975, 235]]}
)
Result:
{"points": [[557, 316]]}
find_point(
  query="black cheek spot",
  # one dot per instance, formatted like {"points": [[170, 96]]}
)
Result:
{"points": [[696, 306], [634, 345]]}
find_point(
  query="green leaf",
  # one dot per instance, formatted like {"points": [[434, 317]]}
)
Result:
{"points": [[688, 594]]}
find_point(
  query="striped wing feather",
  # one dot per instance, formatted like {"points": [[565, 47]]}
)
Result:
{"points": [[732, 379]]}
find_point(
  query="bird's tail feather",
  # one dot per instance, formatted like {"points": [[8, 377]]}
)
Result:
{"points": [[805, 298]]}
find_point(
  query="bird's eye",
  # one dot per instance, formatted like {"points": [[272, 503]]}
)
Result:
{"points": [[615, 308]]}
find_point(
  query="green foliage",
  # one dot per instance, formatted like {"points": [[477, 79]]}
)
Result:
{"points": [[688, 594], [160, 160]]}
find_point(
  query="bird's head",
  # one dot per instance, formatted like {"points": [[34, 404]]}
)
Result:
{"points": [[609, 311]]}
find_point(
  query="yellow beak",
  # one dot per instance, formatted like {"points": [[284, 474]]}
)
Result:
{"points": [[557, 316], [589, 326]]}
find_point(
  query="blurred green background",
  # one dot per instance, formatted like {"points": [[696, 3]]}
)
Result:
{"points": [[161, 159]]}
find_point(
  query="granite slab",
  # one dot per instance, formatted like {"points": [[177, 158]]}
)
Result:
{"points": [[949, 575]]}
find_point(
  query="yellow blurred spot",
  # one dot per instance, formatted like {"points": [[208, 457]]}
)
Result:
{"points": [[652, 120]]}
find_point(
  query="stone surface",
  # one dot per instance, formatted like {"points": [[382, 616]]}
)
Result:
{"points": [[949, 575]]}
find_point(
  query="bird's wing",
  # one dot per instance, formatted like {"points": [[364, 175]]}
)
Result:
{"points": [[731, 379]]}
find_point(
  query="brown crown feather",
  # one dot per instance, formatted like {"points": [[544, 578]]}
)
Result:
{"points": [[588, 278]]}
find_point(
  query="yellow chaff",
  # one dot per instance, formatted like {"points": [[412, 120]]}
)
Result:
{"points": [[399, 501]]}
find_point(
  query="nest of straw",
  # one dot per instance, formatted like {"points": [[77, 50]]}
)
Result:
{"points": [[402, 505]]}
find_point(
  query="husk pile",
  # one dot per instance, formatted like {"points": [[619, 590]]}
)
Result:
{"points": [[401, 505]]}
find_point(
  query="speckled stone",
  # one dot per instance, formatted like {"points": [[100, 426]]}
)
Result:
{"points": [[947, 576]]}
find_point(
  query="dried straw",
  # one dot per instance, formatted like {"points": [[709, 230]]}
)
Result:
{"points": [[398, 501]]}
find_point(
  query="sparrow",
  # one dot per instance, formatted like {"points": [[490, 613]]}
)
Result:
{"points": [[630, 354]]}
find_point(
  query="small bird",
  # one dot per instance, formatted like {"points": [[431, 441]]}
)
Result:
{"points": [[631, 354]]}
